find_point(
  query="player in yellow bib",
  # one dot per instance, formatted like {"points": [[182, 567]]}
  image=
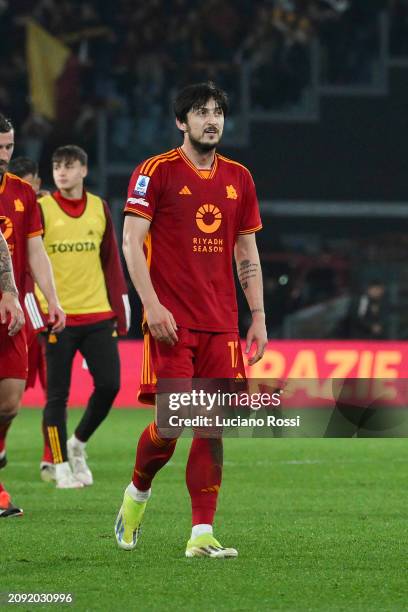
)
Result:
{"points": [[80, 241]]}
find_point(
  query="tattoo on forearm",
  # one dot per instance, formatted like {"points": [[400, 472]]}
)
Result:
{"points": [[246, 271], [254, 310], [6, 269]]}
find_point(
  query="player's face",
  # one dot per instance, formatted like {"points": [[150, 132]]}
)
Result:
{"points": [[34, 181], [6, 149], [68, 174], [204, 126]]}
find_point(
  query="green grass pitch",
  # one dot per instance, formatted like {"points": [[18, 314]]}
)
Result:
{"points": [[320, 525]]}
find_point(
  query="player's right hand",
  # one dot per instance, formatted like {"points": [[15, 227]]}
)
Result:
{"points": [[10, 308], [56, 317], [161, 324]]}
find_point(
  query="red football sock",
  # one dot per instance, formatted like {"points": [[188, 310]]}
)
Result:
{"points": [[203, 477], [153, 452], [4, 497], [4, 427], [47, 452]]}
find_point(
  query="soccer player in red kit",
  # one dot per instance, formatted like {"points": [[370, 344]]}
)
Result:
{"points": [[22, 229], [27, 169], [194, 210], [11, 320]]}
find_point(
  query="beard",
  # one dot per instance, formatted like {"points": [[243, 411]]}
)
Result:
{"points": [[3, 167], [202, 147]]}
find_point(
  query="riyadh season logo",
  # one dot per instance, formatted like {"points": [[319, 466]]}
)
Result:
{"points": [[208, 218]]}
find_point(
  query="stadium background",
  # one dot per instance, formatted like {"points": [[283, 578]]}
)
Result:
{"points": [[319, 95], [319, 114]]}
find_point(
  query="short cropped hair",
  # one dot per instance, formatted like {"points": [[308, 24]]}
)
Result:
{"points": [[22, 166], [195, 96], [70, 153], [5, 124]]}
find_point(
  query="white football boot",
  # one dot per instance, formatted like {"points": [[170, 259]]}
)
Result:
{"points": [[64, 477], [47, 471]]}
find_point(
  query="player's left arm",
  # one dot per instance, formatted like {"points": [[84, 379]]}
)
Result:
{"points": [[41, 270], [250, 277]]}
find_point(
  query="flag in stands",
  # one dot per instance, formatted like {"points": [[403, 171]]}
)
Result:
{"points": [[48, 59]]}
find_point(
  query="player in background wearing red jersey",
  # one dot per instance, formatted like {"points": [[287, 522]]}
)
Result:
{"points": [[193, 209], [11, 314], [22, 230], [27, 169]]}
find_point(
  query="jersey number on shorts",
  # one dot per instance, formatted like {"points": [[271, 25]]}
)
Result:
{"points": [[233, 346]]}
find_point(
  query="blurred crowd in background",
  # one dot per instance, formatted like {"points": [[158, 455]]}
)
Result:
{"points": [[130, 56]]}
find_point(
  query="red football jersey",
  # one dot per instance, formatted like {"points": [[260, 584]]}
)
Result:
{"points": [[195, 217], [19, 206]]}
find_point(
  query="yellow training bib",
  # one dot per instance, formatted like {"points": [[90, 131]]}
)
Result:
{"points": [[73, 246]]}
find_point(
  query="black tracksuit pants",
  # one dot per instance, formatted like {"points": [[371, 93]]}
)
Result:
{"points": [[97, 343]]}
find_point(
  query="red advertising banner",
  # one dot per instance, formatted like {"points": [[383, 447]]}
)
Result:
{"points": [[333, 359], [283, 359]]}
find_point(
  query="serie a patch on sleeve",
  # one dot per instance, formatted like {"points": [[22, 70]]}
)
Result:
{"points": [[140, 201], [142, 184]]}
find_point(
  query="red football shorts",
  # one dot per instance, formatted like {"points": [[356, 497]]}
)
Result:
{"points": [[197, 354], [36, 360], [13, 354]]}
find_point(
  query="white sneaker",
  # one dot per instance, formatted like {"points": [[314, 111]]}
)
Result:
{"points": [[77, 459], [65, 478], [47, 471]]}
